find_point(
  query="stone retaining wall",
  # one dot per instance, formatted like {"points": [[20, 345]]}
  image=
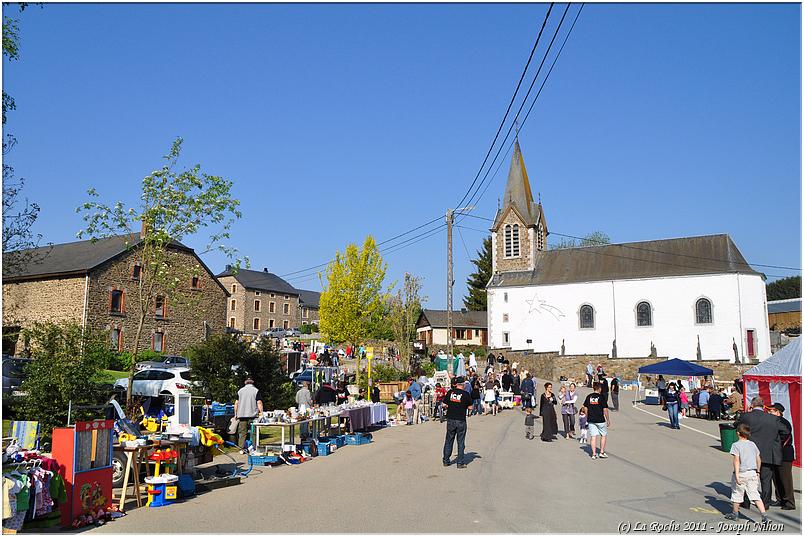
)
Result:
{"points": [[552, 366]]}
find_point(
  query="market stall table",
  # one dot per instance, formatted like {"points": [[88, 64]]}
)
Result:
{"points": [[363, 417], [317, 424]]}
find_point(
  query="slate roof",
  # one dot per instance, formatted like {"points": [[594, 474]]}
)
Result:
{"points": [[76, 258], [261, 281], [309, 299], [688, 256], [460, 319], [784, 306], [518, 194]]}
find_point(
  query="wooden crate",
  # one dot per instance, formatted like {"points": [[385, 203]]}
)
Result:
{"points": [[388, 389]]}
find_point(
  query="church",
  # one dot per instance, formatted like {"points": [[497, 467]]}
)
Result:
{"points": [[694, 298]]}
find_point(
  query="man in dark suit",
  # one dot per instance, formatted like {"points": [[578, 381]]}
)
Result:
{"points": [[766, 431], [783, 480]]}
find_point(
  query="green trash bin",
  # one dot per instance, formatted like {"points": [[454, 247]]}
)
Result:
{"points": [[728, 436]]}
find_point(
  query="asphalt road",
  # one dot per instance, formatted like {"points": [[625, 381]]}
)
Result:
{"points": [[654, 476]]}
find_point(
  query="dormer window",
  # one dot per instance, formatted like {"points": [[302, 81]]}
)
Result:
{"points": [[512, 240]]}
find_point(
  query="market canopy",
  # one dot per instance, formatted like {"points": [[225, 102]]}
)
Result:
{"points": [[677, 368], [785, 363]]}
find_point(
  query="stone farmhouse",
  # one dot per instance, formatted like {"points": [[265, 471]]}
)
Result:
{"points": [[95, 285], [259, 300]]}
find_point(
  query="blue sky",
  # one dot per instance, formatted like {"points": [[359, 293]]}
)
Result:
{"points": [[336, 121]]}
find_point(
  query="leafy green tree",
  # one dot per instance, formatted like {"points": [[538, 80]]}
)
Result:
{"points": [[596, 238], [353, 294], [406, 305], [65, 366], [789, 287], [222, 363], [174, 204], [476, 301]]}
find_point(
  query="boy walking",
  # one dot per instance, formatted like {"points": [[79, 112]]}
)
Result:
{"points": [[745, 479], [530, 420]]}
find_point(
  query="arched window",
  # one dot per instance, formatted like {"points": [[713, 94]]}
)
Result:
{"points": [[703, 311], [587, 316], [512, 240], [644, 314]]}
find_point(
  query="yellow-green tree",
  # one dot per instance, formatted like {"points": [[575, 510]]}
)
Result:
{"points": [[353, 294]]}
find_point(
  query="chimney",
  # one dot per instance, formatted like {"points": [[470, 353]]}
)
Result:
{"points": [[228, 268], [265, 269], [463, 310], [143, 227]]}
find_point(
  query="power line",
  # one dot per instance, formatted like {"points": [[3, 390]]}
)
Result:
{"points": [[632, 247], [513, 98], [533, 82]]}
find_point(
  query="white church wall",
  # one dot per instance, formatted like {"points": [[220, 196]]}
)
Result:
{"points": [[549, 313]]}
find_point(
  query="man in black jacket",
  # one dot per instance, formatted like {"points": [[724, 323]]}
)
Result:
{"points": [[457, 401], [766, 431], [783, 478], [507, 380]]}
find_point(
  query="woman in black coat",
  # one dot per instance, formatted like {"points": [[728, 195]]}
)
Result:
{"points": [[547, 410]]}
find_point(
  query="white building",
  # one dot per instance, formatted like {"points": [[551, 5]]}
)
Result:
{"points": [[689, 298]]}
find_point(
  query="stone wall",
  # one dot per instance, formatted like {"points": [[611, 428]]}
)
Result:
{"points": [[245, 310], [512, 263], [187, 311], [552, 366], [56, 300]]}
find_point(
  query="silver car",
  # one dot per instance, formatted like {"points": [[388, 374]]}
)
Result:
{"points": [[164, 362]]}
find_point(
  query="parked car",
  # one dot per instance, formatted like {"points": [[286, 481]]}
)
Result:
{"points": [[154, 382], [278, 333], [304, 376], [292, 332], [13, 376], [166, 361]]}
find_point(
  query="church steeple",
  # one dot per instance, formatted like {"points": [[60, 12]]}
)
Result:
{"points": [[517, 190], [520, 230]]}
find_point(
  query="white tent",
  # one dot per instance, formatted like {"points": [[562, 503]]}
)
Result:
{"points": [[778, 380]]}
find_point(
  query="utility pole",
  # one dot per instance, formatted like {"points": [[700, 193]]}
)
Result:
{"points": [[450, 280]]}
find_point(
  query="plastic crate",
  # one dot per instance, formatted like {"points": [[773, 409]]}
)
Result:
{"points": [[262, 460], [340, 440], [327, 448], [358, 439]]}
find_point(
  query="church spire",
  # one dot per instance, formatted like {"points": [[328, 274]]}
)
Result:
{"points": [[517, 190]]}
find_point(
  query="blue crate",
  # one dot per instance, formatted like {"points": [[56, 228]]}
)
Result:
{"points": [[358, 439], [327, 448], [340, 440], [262, 460]]}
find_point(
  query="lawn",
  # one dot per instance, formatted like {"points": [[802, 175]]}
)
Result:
{"points": [[109, 376]]}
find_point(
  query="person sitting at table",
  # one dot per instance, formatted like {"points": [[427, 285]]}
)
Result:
{"points": [[735, 402], [703, 401], [715, 404]]}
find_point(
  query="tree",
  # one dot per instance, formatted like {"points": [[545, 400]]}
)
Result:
{"points": [[67, 360], [173, 205], [476, 301], [404, 312], [222, 363], [596, 238], [789, 287], [353, 294]]}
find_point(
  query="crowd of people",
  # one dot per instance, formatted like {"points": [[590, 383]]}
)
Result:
{"points": [[707, 402]]}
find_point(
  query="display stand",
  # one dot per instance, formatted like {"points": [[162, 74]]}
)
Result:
{"points": [[84, 452]]}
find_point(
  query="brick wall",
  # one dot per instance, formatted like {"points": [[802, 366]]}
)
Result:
{"points": [[57, 300], [552, 366], [183, 324]]}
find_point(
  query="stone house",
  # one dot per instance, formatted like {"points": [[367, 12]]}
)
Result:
{"points": [[96, 285], [259, 300], [309, 305], [468, 327]]}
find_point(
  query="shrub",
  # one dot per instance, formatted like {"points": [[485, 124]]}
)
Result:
{"points": [[66, 361], [308, 328], [221, 364]]}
